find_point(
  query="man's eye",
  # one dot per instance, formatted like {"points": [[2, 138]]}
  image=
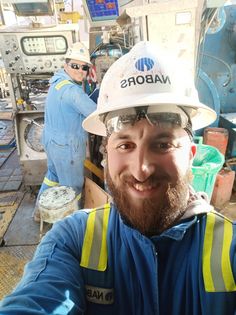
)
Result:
{"points": [[165, 146], [125, 146]]}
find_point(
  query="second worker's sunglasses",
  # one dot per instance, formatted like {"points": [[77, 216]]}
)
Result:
{"points": [[76, 66]]}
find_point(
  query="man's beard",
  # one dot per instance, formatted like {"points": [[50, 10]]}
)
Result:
{"points": [[151, 216]]}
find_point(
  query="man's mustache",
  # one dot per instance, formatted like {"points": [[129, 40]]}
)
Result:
{"points": [[152, 180]]}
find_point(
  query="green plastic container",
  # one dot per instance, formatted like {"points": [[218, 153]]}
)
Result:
{"points": [[206, 164]]}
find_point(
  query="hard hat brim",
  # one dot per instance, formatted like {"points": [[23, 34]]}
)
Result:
{"points": [[78, 59], [203, 115]]}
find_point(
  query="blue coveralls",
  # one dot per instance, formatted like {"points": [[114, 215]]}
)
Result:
{"points": [[93, 263], [64, 139]]}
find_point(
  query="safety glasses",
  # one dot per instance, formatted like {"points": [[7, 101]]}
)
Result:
{"points": [[76, 66], [121, 119]]}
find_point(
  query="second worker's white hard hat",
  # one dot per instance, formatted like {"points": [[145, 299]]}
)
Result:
{"points": [[78, 51], [145, 76]]}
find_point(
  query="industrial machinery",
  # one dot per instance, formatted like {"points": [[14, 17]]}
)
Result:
{"points": [[31, 56], [217, 72], [178, 26], [182, 24]]}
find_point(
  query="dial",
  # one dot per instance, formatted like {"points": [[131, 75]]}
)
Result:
{"points": [[48, 63], [60, 44]]}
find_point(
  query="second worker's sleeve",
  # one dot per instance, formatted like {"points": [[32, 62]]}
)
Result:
{"points": [[80, 101]]}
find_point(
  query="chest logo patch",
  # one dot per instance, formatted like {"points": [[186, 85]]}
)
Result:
{"points": [[99, 295]]}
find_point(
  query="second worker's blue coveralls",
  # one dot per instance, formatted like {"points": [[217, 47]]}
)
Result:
{"points": [[64, 139]]}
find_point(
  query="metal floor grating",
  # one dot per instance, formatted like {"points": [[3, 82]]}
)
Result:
{"points": [[9, 203], [12, 262], [6, 133]]}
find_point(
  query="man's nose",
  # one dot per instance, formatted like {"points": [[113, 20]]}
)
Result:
{"points": [[143, 166]]}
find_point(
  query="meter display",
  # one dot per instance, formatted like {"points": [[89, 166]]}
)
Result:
{"points": [[101, 10], [43, 45]]}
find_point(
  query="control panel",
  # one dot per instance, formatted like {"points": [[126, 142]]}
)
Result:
{"points": [[43, 45], [34, 52]]}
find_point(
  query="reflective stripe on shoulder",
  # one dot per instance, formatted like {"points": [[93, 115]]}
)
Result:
{"points": [[94, 250], [62, 83], [217, 271]]}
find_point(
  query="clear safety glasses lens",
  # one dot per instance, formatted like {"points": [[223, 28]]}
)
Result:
{"points": [[76, 66], [116, 121]]}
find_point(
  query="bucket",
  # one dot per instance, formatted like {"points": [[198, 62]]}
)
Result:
{"points": [[57, 202], [216, 137], [206, 164], [223, 187]]}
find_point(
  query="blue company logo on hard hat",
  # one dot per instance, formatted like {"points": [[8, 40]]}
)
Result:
{"points": [[144, 64]]}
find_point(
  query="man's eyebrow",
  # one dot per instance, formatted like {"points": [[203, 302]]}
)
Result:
{"points": [[164, 134], [120, 136], [126, 136]]}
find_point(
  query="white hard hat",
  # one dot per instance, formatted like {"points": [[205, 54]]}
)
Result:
{"points": [[78, 51], [145, 77]]}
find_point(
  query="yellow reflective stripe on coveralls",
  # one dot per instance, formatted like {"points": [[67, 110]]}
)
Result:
{"points": [[94, 251], [217, 271], [50, 182], [62, 83]]}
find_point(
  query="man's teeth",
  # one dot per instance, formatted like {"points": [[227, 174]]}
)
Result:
{"points": [[142, 187]]}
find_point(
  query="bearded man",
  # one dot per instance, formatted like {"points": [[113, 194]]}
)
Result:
{"points": [[158, 247]]}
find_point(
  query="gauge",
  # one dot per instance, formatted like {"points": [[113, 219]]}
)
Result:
{"points": [[60, 44], [48, 63]]}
